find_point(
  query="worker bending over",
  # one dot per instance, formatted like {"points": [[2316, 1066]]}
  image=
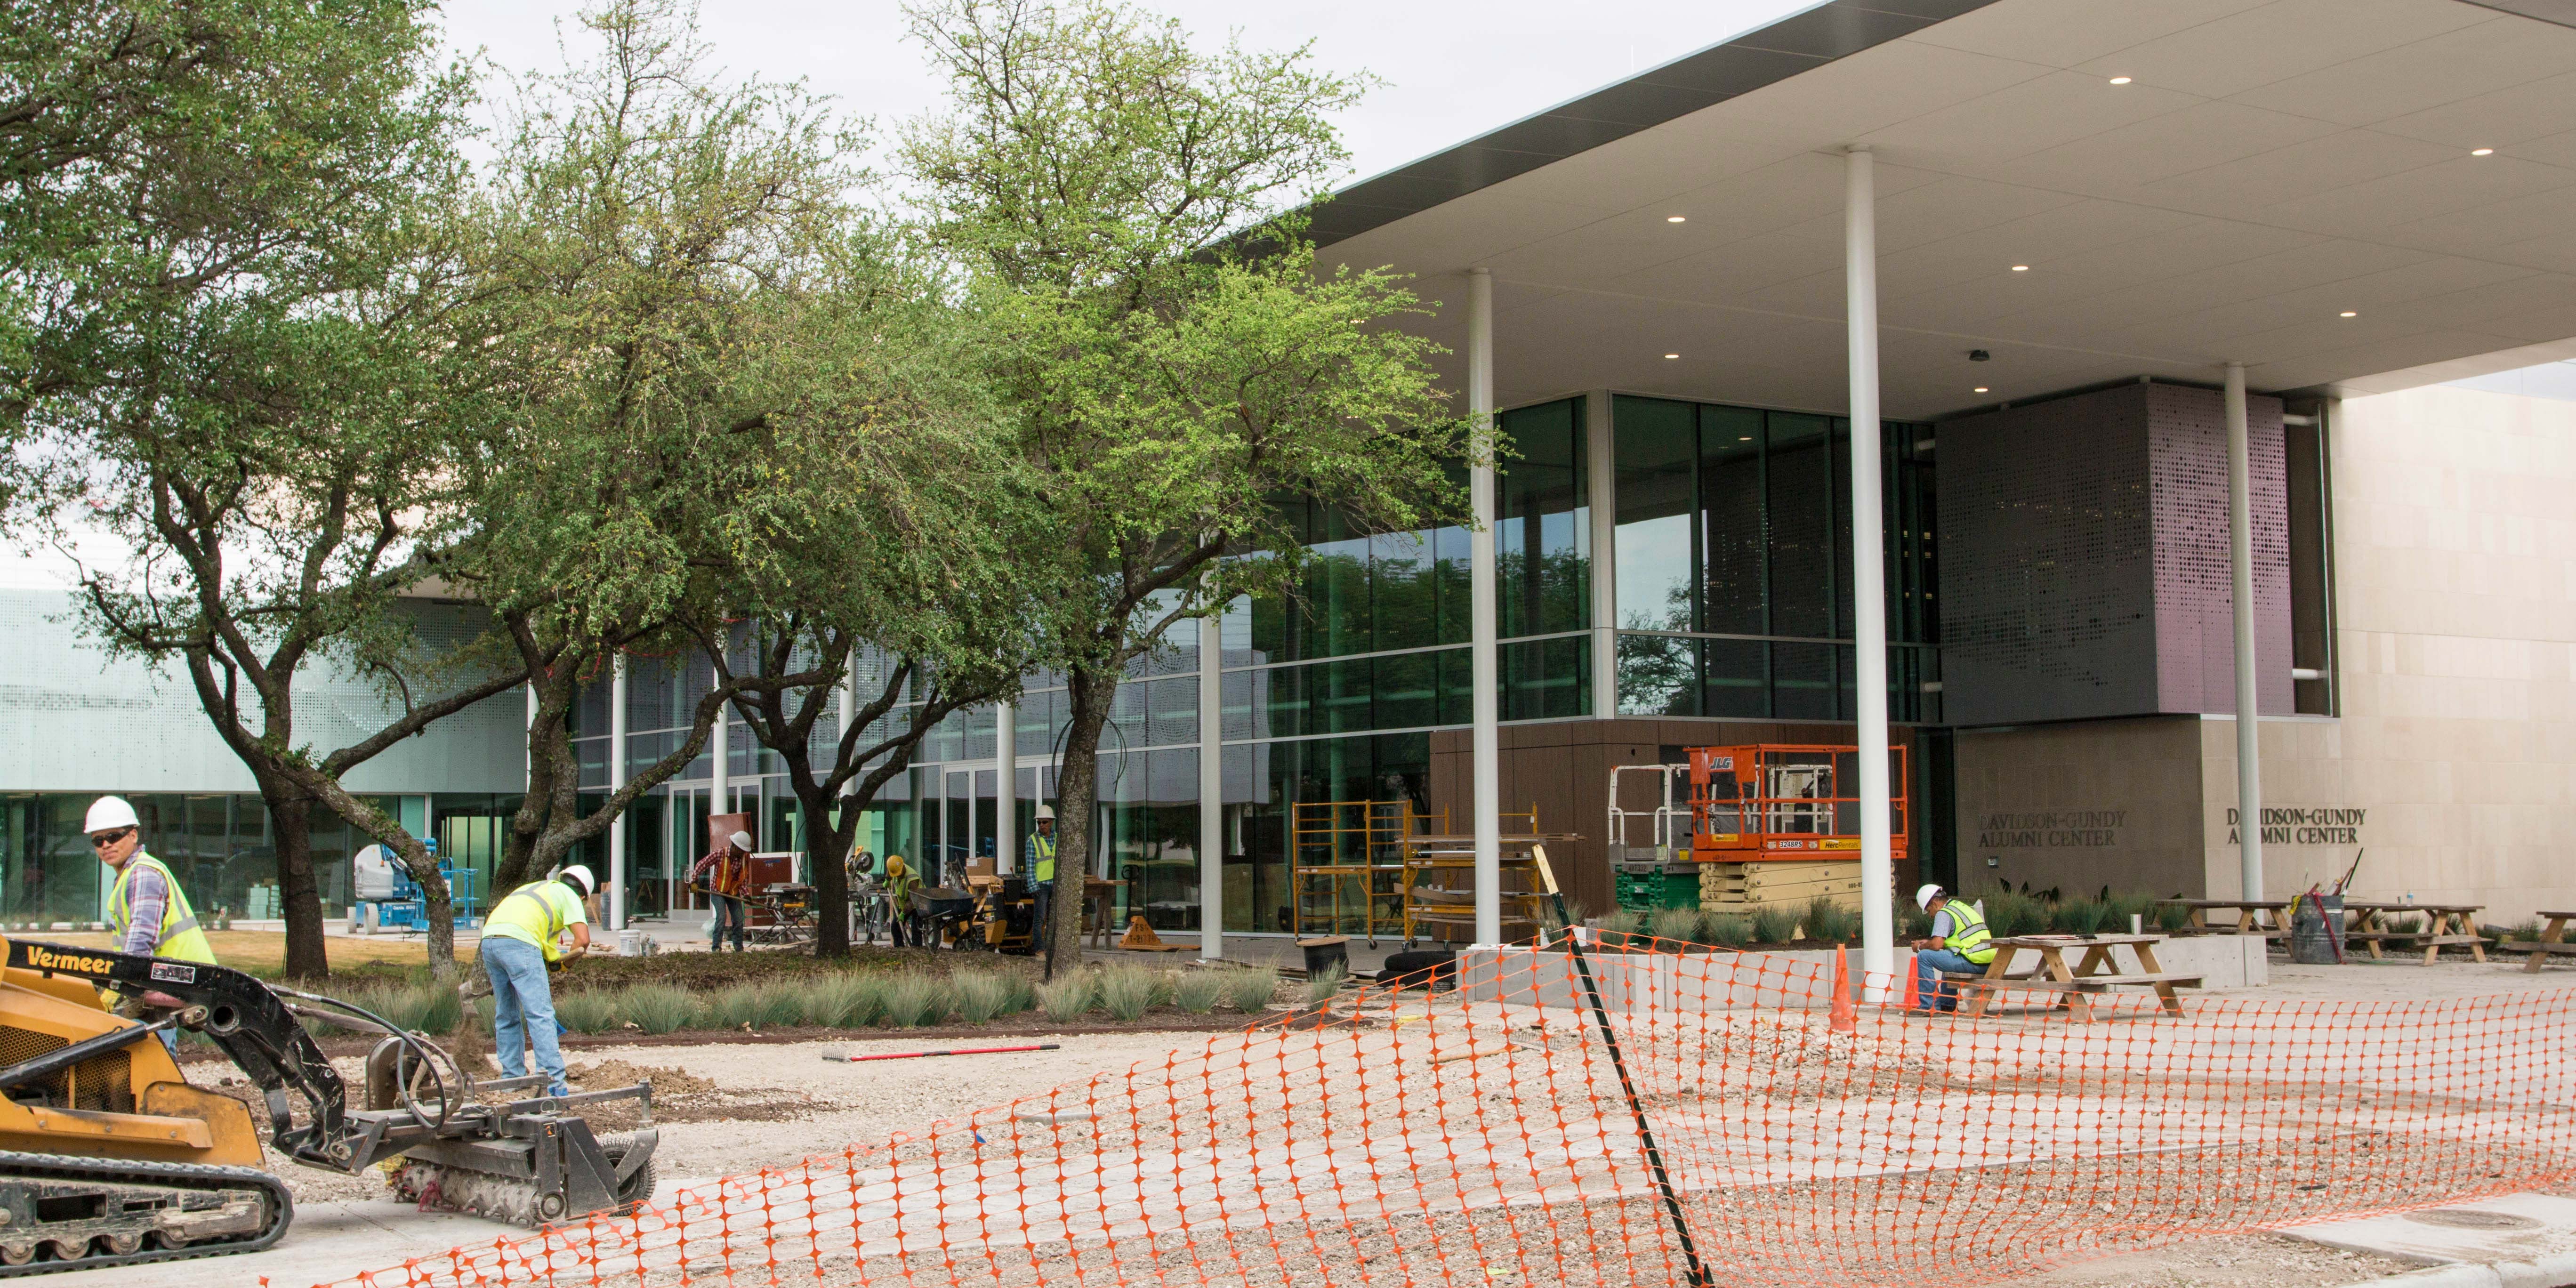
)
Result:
{"points": [[1959, 944], [725, 874], [146, 910], [525, 933]]}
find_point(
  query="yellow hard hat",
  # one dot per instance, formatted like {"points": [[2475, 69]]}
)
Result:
{"points": [[895, 865]]}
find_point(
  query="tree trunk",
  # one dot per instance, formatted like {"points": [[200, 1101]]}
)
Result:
{"points": [[1076, 810], [299, 896], [827, 848]]}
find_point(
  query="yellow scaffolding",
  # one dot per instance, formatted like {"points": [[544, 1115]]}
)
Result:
{"points": [[1346, 863]]}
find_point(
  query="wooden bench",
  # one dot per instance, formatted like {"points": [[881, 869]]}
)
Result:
{"points": [[2446, 925], [2553, 939], [2251, 916]]}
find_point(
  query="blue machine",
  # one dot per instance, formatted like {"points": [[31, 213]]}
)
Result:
{"points": [[383, 897]]}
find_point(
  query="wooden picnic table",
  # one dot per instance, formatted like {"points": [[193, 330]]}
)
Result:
{"points": [[2245, 909], [2553, 939], [2446, 925], [2092, 973]]}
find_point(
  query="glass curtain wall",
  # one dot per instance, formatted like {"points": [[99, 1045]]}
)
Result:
{"points": [[1734, 544], [219, 845]]}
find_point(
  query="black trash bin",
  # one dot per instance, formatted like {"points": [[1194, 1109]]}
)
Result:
{"points": [[2316, 930]]}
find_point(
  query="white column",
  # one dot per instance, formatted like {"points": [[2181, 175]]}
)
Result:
{"points": [[616, 781], [1211, 789], [1483, 671], [1869, 579], [720, 745], [528, 780], [1006, 788], [2240, 559], [1601, 494]]}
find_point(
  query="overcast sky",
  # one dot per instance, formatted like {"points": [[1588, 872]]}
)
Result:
{"points": [[1453, 68]]}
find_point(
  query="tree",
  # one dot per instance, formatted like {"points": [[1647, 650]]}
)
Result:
{"points": [[715, 394], [221, 255], [1170, 358]]}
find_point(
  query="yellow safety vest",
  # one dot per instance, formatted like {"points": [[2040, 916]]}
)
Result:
{"points": [[180, 937], [1044, 847], [536, 913], [1968, 934]]}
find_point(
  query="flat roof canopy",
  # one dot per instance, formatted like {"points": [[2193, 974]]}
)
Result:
{"points": [[2268, 166]]}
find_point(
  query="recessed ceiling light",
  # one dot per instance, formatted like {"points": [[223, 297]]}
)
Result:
{"points": [[2119, 80], [2021, 268], [1981, 389], [1744, 438], [2482, 152], [1676, 219], [1670, 356], [2350, 314]]}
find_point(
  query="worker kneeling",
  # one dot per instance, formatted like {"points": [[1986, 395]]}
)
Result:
{"points": [[1959, 945], [524, 934]]}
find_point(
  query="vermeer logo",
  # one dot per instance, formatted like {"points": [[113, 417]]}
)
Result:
{"points": [[48, 959]]}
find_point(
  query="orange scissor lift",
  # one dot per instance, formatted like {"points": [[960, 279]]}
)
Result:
{"points": [[1778, 824]]}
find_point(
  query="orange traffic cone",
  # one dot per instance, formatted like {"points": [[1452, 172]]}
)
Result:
{"points": [[1913, 998], [1845, 1019]]}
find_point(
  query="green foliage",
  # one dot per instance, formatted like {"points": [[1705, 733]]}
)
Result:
{"points": [[1249, 988], [1324, 985], [981, 995], [1829, 922], [1127, 991], [1067, 996], [1728, 929], [2082, 916], [1773, 925], [1676, 927], [1198, 991], [659, 1008], [912, 1001], [735, 1007], [2170, 918], [2010, 912], [1019, 992], [843, 1001], [1168, 357], [1911, 922], [589, 1012]]}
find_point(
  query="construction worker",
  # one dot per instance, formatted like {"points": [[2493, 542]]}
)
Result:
{"points": [[1959, 944], [146, 909], [725, 873], [1037, 858], [524, 935], [900, 882]]}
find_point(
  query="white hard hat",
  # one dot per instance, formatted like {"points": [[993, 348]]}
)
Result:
{"points": [[1923, 898], [579, 875], [741, 841], [1046, 813], [108, 813]]}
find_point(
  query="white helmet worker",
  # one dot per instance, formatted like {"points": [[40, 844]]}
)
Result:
{"points": [[1923, 898], [108, 813], [741, 841], [578, 876], [1046, 813]]}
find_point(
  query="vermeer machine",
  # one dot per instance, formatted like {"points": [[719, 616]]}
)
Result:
{"points": [[108, 1157]]}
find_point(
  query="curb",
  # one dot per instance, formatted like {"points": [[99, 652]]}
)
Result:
{"points": [[2557, 1270]]}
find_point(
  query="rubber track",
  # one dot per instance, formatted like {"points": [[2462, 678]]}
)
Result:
{"points": [[139, 1172]]}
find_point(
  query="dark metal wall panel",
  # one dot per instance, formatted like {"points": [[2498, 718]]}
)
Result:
{"points": [[2048, 562], [2084, 560]]}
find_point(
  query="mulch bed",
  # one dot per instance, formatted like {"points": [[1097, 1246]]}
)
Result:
{"points": [[1025, 1024]]}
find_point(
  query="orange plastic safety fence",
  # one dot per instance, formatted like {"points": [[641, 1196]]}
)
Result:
{"points": [[1471, 1136]]}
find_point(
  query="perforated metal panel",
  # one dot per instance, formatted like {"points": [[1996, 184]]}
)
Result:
{"points": [[105, 1083]]}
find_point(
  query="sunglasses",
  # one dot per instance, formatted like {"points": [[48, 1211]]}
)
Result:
{"points": [[106, 839]]}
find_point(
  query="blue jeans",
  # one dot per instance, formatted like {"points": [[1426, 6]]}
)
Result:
{"points": [[728, 912], [523, 1010], [1931, 992]]}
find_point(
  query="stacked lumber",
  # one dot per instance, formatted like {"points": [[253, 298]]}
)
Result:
{"points": [[1783, 883]]}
